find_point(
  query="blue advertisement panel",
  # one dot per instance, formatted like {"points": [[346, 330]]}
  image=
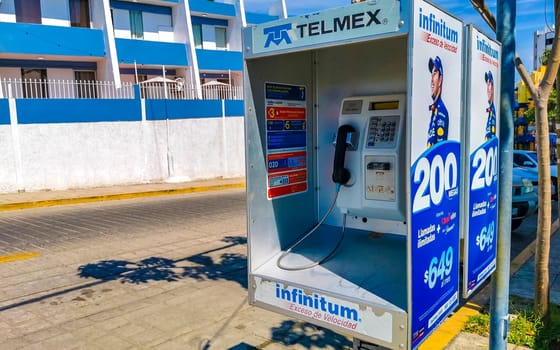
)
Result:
{"points": [[481, 199], [435, 169]]}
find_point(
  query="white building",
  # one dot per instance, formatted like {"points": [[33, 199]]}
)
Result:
{"points": [[542, 40], [108, 92]]}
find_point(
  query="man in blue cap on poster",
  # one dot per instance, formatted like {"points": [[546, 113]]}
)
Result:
{"points": [[491, 121], [439, 120]]}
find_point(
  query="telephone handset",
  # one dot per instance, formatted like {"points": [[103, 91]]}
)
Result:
{"points": [[340, 174]]}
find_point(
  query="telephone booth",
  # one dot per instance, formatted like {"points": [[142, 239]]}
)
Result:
{"points": [[354, 123]]}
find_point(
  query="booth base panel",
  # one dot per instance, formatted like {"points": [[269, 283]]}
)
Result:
{"points": [[360, 290]]}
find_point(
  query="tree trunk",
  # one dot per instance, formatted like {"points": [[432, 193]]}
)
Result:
{"points": [[542, 244]]}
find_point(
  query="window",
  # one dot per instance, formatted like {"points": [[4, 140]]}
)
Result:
{"points": [[85, 88], [28, 11], [197, 34], [34, 83], [221, 38], [79, 13], [136, 25]]}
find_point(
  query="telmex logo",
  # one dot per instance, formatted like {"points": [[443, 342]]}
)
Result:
{"points": [[278, 34]]}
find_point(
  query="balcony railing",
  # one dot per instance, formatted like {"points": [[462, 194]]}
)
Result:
{"points": [[82, 89]]}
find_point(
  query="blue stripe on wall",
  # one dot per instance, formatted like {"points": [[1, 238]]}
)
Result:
{"points": [[4, 112], [148, 71], [258, 18], [234, 108], [162, 10], [40, 39], [48, 64], [151, 52], [187, 109], [38, 111], [212, 7], [209, 21], [219, 60], [182, 109]]}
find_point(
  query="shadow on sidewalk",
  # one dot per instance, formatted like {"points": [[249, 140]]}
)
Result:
{"points": [[308, 335], [231, 267], [200, 267], [207, 266], [210, 265]]}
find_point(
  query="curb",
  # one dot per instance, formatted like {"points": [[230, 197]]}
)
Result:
{"points": [[112, 197]]}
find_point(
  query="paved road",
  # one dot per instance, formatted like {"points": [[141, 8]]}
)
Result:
{"points": [[52, 229], [155, 273], [158, 273]]}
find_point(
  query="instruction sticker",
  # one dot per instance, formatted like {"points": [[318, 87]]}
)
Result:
{"points": [[286, 139]]}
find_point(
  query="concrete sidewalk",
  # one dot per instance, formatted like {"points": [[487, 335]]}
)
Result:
{"points": [[448, 336], [22, 200]]}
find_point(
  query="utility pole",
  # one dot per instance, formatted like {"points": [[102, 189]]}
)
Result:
{"points": [[499, 303]]}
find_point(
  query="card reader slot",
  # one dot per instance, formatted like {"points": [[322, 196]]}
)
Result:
{"points": [[379, 166]]}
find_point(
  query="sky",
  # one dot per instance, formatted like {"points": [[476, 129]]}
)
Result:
{"points": [[531, 16]]}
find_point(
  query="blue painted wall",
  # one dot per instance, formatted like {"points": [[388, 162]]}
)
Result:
{"points": [[162, 10], [48, 64], [209, 21], [235, 108], [151, 52], [258, 18], [4, 112], [39, 111], [184, 109], [43, 111], [219, 60], [217, 8], [40, 39]]}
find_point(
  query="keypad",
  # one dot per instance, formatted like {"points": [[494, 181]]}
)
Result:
{"points": [[382, 131]]}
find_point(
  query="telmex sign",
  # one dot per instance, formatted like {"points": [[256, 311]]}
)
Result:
{"points": [[347, 23]]}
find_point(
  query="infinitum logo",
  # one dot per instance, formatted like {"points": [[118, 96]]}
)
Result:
{"points": [[318, 307], [485, 47], [437, 26], [277, 34]]}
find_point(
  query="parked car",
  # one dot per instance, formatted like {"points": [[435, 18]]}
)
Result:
{"points": [[527, 174], [528, 161], [524, 200]]}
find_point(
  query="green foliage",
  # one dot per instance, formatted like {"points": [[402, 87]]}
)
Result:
{"points": [[545, 56], [478, 324], [525, 328], [550, 338], [552, 108], [530, 115]]}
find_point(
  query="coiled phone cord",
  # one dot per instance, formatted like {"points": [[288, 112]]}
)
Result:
{"points": [[299, 241]]}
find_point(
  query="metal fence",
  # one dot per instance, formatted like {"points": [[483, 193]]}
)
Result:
{"points": [[82, 89], [63, 89], [177, 91]]}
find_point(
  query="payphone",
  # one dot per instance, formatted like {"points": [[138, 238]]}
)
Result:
{"points": [[375, 159], [367, 171]]}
